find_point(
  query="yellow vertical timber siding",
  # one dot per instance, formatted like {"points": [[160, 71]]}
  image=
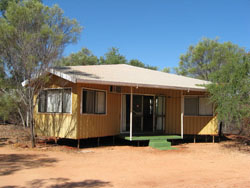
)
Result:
{"points": [[99, 125], [200, 125], [63, 125]]}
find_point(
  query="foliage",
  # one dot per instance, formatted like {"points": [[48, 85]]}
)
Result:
{"points": [[4, 5], [137, 63], [113, 57], [83, 57], [8, 110], [32, 37], [151, 67], [166, 69], [206, 57], [230, 90]]}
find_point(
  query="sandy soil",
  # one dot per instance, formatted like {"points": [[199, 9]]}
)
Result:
{"points": [[192, 165]]}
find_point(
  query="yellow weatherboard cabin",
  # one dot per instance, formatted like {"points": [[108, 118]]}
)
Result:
{"points": [[105, 100]]}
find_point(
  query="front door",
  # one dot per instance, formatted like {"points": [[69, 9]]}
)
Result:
{"points": [[145, 109], [137, 113]]}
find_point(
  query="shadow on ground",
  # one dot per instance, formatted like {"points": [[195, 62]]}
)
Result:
{"points": [[92, 142], [117, 141], [3, 141], [62, 183], [10, 163], [237, 143]]}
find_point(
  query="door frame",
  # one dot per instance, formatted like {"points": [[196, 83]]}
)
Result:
{"points": [[154, 108]]}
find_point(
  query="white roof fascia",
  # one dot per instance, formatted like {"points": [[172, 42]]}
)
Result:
{"points": [[62, 75]]}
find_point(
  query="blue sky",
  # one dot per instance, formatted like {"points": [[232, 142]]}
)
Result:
{"points": [[156, 32]]}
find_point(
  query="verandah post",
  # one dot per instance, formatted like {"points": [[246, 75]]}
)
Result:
{"points": [[131, 114], [182, 113]]}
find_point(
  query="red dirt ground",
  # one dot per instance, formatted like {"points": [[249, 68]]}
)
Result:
{"points": [[192, 165]]}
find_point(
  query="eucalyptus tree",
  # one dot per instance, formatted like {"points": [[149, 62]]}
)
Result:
{"points": [[166, 70], [230, 92], [138, 63], [206, 57], [32, 37], [83, 57], [113, 57]]}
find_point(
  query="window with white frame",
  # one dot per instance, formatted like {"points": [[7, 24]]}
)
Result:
{"points": [[197, 106], [93, 102], [55, 101]]}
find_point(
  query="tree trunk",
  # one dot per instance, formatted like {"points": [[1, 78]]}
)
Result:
{"points": [[21, 115], [33, 144], [27, 119], [31, 123], [31, 120]]}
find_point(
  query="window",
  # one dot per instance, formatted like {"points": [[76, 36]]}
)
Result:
{"points": [[197, 106], [55, 101], [205, 107], [191, 105], [93, 102]]}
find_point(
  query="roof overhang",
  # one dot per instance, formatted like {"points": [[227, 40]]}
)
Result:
{"points": [[63, 75], [137, 85]]}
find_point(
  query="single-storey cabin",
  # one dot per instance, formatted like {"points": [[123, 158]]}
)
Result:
{"points": [[82, 102]]}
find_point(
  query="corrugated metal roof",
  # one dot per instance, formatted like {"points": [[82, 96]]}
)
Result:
{"points": [[127, 75]]}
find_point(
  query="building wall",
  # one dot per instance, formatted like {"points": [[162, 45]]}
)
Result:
{"points": [[200, 125], [78, 125], [58, 124], [99, 125]]}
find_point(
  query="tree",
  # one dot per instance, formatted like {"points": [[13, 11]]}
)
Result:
{"points": [[83, 57], [32, 37], [230, 91], [137, 63], [151, 67], [166, 69], [113, 57], [4, 5], [8, 104], [9, 110], [206, 57]]}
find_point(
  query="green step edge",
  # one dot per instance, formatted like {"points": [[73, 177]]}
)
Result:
{"points": [[161, 144]]}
